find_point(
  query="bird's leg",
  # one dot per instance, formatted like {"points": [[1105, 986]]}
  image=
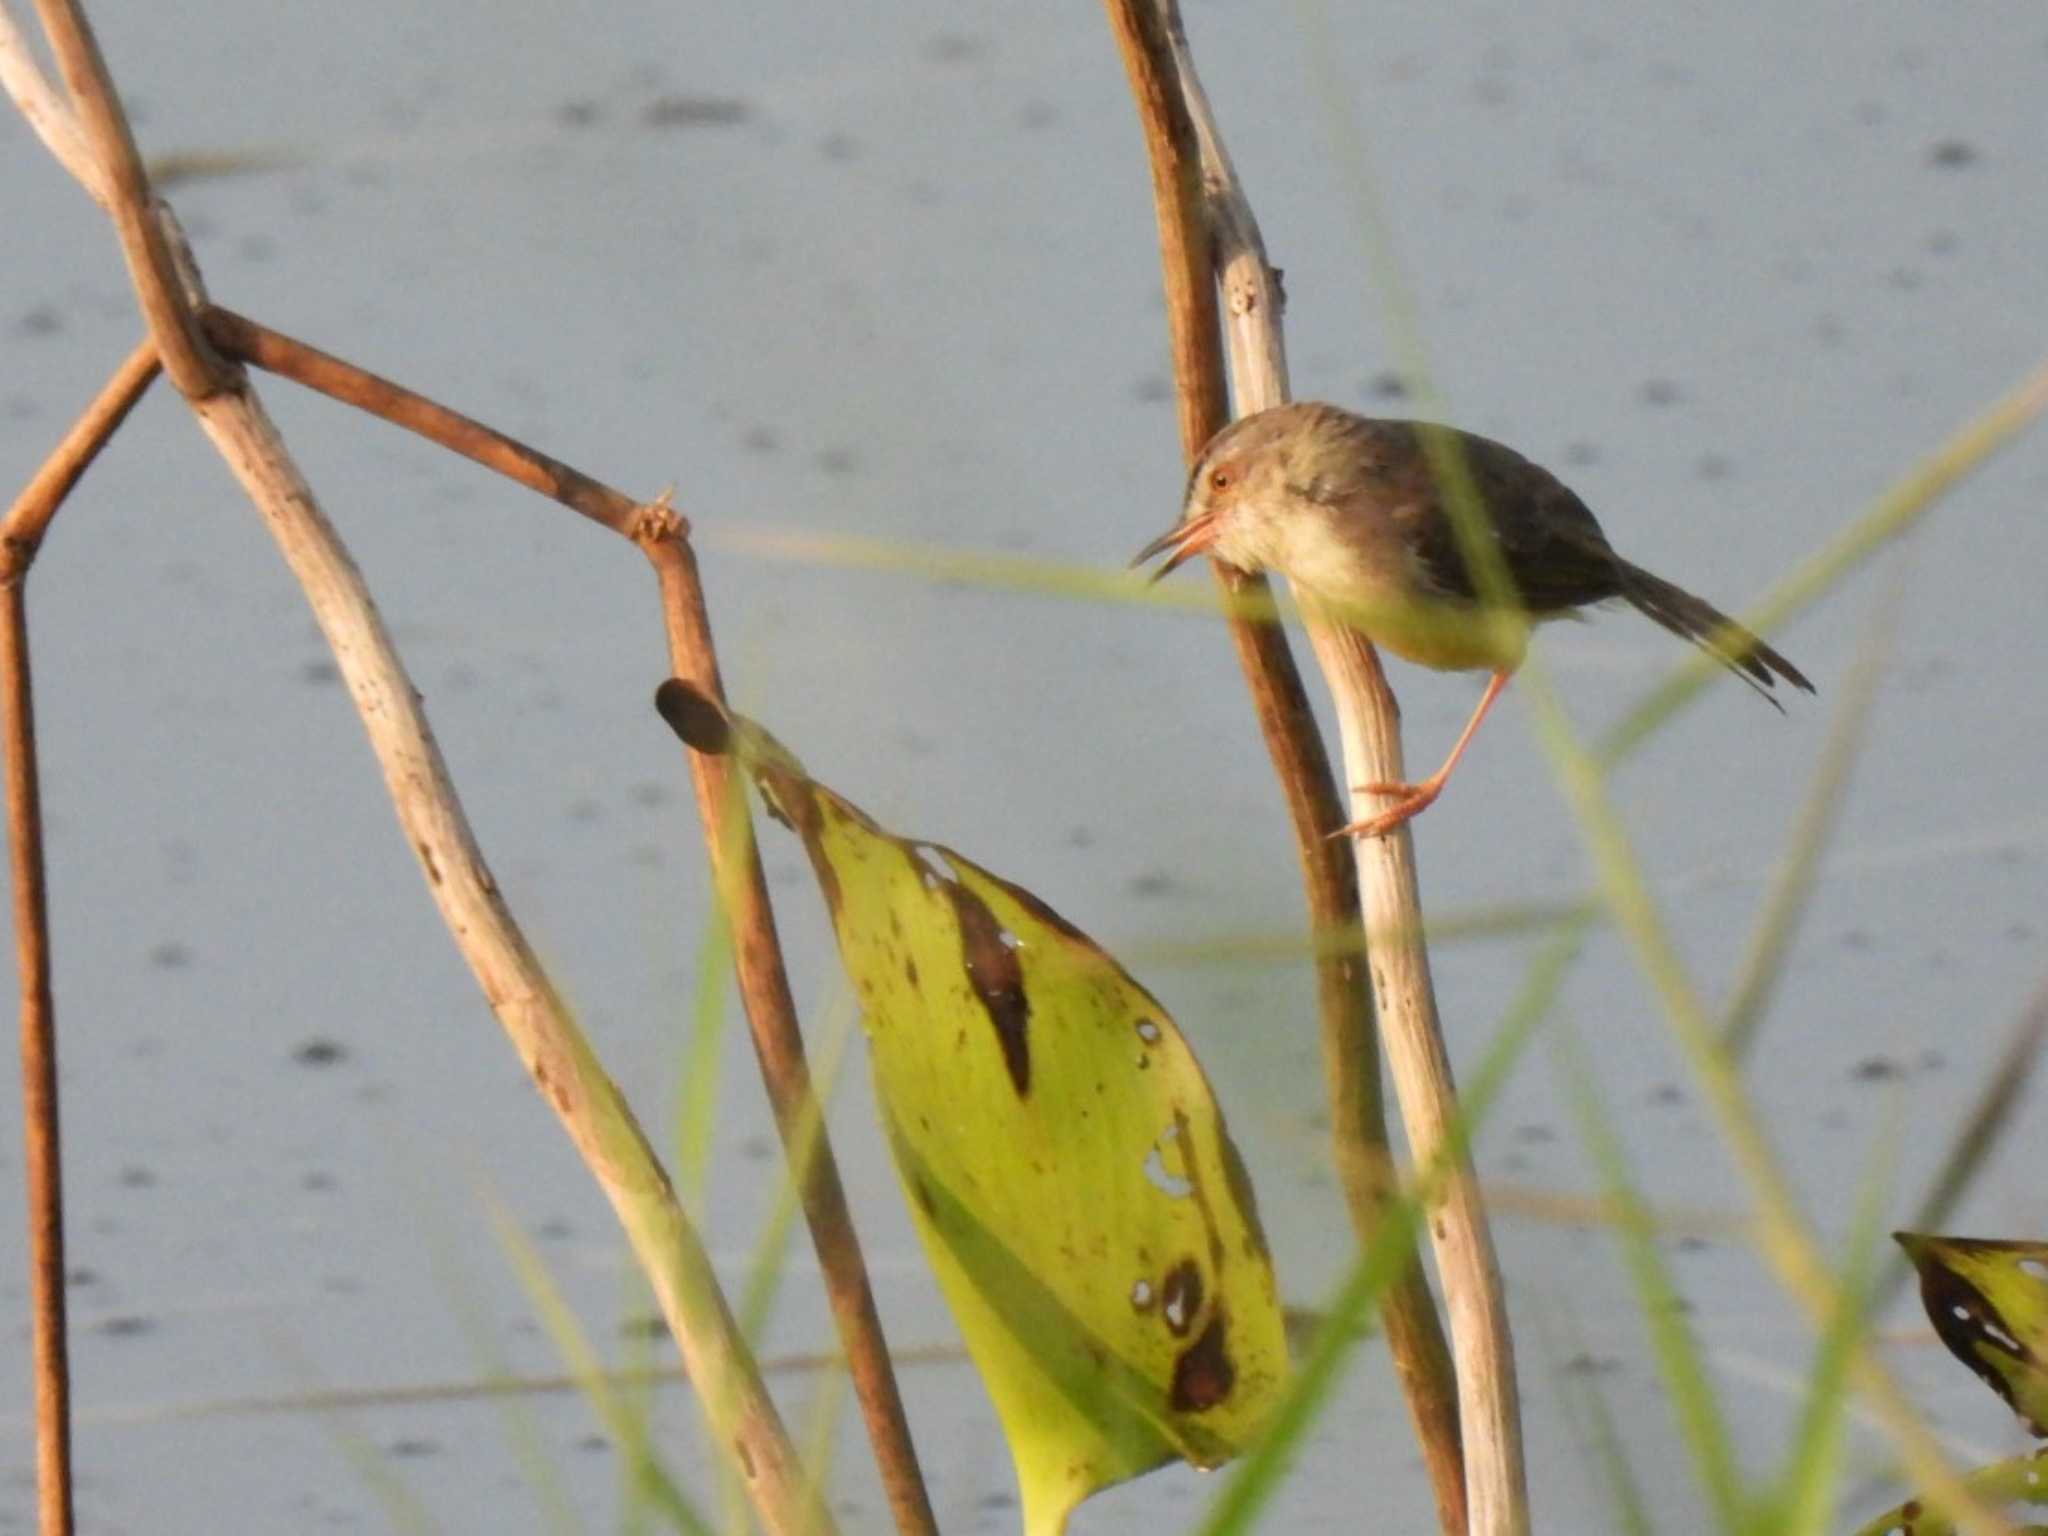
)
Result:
{"points": [[1417, 798]]}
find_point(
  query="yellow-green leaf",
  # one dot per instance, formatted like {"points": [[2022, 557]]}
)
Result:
{"points": [[1064, 1159], [1988, 1299]]}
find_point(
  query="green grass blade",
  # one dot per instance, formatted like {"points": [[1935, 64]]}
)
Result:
{"points": [[1808, 1485], [1679, 1358], [1257, 1476], [627, 1427], [2005, 1088], [1778, 921], [1895, 512]]}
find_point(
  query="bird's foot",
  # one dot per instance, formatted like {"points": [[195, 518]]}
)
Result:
{"points": [[1415, 799]]}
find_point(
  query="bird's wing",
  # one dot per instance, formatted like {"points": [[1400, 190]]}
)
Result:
{"points": [[1552, 544]]}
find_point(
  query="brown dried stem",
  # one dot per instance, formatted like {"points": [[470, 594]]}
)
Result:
{"points": [[1196, 236], [245, 340], [21, 534], [736, 867], [779, 1046], [43, 1164]]}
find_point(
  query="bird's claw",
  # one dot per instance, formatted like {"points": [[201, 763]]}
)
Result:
{"points": [[1415, 799]]}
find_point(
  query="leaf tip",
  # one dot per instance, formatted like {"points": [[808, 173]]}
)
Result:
{"points": [[694, 716]]}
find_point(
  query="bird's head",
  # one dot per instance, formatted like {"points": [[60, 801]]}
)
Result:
{"points": [[1243, 481]]}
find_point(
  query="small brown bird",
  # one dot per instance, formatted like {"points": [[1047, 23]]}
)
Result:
{"points": [[1349, 509]]}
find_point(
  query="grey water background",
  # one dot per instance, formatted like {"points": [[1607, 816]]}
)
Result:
{"points": [[893, 274]]}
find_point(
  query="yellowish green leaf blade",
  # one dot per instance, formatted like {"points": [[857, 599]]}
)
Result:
{"points": [[1988, 1300], [2018, 1480], [1064, 1158]]}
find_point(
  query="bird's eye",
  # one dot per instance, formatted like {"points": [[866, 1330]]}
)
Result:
{"points": [[1219, 480]]}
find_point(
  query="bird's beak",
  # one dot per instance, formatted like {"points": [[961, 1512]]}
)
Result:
{"points": [[1185, 540]]}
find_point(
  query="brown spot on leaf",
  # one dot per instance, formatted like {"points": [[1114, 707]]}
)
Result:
{"points": [[998, 980], [1204, 1373], [910, 970], [1180, 1298]]}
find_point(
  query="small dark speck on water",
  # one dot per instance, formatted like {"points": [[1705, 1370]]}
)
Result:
{"points": [[1877, 1069], [125, 1326], [649, 1325], [1387, 386], [695, 112], [415, 1446], [1952, 154], [320, 1052], [134, 1177], [839, 146], [319, 673], [1584, 1364], [1080, 837], [1151, 390], [837, 461], [1581, 453], [577, 114], [169, 955], [42, 320], [1660, 392], [952, 48], [1714, 466], [1152, 883]]}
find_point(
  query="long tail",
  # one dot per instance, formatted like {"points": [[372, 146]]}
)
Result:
{"points": [[1697, 620]]}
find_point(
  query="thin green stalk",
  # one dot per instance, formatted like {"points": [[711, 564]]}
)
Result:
{"points": [[1968, 447], [628, 1428], [2005, 1086], [1257, 1475], [1805, 1504], [1784, 1237], [1703, 1426], [1778, 920]]}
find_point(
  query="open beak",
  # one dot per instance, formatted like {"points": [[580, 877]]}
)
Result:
{"points": [[1185, 540]]}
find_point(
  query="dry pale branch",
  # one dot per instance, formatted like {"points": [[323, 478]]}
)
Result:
{"points": [[1487, 1425], [159, 286], [47, 112], [1403, 995], [559, 1060], [736, 867]]}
